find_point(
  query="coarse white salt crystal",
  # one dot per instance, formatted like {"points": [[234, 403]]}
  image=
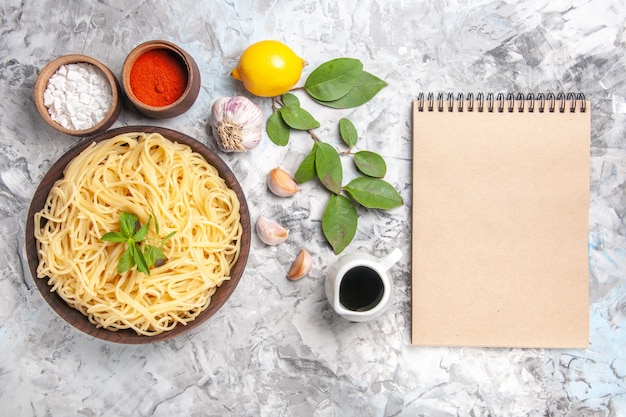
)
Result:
{"points": [[74, 75], [86, 98], [78, 96], [69, 110], [48, 98]]}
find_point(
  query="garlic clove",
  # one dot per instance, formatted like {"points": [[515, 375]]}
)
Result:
{"points": [[236, 124], [270, 232], [281, 183], [301, 265]]}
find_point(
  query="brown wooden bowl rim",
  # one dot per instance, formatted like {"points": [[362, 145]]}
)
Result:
{"points": [[73, 316], [193, 72], [51, 68]]}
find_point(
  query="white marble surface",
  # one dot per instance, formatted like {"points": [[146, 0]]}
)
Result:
{"points": [[276, 348]]}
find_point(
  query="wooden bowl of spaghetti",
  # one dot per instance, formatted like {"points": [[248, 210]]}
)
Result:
{"points": [[193, 209]]}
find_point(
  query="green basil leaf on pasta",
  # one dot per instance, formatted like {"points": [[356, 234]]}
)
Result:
{"points": [[127, 224], [125, 262], [142, 232], [117, 237]]}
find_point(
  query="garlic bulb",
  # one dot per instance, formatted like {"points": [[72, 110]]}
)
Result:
{"points": [[236, 124], [280, 183], [301, 266], [270, 232]]}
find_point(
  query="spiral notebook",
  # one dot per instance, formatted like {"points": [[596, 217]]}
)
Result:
{"points": [[500, 221]]}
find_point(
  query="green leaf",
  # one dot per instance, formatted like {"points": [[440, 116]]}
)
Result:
{"points": [[142, 232], [127, 224], [277, 130], [114, 237], [366, 87], [339, 222], [348, 132], [306, 170], [142, 265], [290, 99], [370, 163], [152, 254], [169, 235], [125, 262], [298, 118], [328, 167], [333, 79], [149, 255], [373, 193]]}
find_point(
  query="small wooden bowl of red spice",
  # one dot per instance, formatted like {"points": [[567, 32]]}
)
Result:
{"points": [[160, 79]]}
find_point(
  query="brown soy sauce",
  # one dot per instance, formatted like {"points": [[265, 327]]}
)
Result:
{"points": [[361, 289]]}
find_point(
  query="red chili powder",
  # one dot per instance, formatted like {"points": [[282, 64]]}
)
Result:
{"points": [[158, 77]]}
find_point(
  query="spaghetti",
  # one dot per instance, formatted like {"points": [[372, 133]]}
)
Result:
{"points": [[144, 174]]}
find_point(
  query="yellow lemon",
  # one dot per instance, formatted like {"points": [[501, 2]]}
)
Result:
{"points": [[268, 68]]}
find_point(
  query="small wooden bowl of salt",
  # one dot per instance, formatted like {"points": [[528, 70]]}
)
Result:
{"points": [[78, 95]]}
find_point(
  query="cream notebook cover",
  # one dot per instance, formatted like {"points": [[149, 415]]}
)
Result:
{"points": [[500, 221]]}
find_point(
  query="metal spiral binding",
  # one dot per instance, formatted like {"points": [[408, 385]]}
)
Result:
{"points": [[502, 103]]}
